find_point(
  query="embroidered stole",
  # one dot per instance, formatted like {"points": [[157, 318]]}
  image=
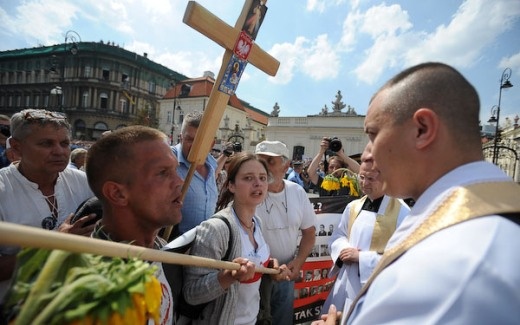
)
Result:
{"points": [[384, 226], [464, 203]]}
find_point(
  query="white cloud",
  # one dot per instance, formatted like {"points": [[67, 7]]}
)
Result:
{"points": [[321, 5], [350, 30], [316, 59], [41, 22], [320, 60], [289, 57], [473, 28], [512, 62], [387, 26], [385, 20]]}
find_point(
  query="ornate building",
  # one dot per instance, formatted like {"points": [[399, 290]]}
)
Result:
{"points": [[100, 86], [303, 134]]}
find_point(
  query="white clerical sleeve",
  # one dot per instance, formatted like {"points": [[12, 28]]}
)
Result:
{"points": [[339, 240], [367, 262]]}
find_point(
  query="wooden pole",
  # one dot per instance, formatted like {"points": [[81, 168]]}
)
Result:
{"points": [[25, 236]]}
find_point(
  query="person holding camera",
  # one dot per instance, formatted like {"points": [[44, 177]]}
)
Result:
{"points": [[336, 166]]}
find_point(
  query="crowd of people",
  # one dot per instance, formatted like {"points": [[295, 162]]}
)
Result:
{"points": [[435, 262]]}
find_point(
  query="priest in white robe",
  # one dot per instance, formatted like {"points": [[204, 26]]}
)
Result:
{"points": [[357, 244]]}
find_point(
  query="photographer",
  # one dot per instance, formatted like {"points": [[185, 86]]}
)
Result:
{"points": [[336, 165]]}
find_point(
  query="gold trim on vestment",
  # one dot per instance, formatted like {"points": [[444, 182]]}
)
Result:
{"points": [[464, 203]]}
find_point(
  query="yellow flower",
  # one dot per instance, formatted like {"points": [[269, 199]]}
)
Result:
{"points": [[330, 183]]}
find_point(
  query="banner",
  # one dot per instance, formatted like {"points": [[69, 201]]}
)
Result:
{"points": [[313, 286]]}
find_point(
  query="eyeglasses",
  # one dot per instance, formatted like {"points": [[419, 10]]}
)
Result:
{"points": [[41, 114]]}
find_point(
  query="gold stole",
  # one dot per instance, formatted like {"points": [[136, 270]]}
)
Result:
{"points": [[463, 204], [384, 226]]}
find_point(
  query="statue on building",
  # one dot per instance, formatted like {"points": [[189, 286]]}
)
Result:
{"points": [[338, 105], [351, 110], [324, 110], [276, 110]]}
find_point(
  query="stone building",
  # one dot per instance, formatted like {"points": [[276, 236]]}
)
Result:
{"points": [[100, 86]]}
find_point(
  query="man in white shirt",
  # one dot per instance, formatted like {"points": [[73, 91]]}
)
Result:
{"points": [[285, 213], [39, 190]]}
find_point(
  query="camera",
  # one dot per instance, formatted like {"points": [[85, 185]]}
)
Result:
{"points": [[335, 144], [235, 147]]}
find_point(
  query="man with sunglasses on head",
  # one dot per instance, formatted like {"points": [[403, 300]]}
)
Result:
{"points": [[39, 190]]}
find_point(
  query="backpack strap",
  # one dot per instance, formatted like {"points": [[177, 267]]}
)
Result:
{"points": [[230, 241]]}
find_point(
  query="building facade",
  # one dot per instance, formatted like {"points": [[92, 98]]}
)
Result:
{"points": [[507, 148], [100, 86]]}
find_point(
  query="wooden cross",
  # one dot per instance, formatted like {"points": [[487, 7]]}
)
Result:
{"points": [[200, 19], [217, 30]]}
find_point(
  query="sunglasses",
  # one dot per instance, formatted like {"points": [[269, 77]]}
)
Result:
{"points": [[43, 115]]}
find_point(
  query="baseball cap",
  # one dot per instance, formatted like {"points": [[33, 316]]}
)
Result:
{"points": [[272, 148]]}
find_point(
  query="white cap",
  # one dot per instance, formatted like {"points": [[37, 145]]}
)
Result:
{"points": [[272, 148]]}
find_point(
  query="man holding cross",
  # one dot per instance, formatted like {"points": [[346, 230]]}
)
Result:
{"points": [[136, 208]]}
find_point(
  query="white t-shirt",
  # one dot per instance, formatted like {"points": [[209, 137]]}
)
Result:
{"points": [[283, 215], [21, 201], [248, 302]]}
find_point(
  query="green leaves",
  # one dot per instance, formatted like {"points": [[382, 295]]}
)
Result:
{"points": [[57, 287]]}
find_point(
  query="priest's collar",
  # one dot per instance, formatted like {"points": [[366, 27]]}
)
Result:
{"points": [[372, 206]]}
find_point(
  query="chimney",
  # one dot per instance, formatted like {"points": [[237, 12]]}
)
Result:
{"points": [[209, 74]]}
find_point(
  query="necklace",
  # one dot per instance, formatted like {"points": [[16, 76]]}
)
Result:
{"points": [[51, 221], [247, 227], [268, 210]]}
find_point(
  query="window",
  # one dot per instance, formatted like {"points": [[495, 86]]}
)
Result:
{"points": [[123, 106], [87, 73], [106, 74], [27, 100], [84, 99], [151, 87], [103, 101], [36, 101], [46, 101]]}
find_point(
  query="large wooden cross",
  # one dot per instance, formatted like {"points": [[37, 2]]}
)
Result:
{"points": [[217, 30], [200, 19]]}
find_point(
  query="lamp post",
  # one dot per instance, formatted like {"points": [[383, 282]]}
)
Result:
{"points": [[504, 83], [72, 39]]}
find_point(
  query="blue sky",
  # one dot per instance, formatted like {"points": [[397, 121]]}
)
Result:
{"points": [[323, 45]]}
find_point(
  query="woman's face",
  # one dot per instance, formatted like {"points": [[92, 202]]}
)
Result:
{"points": [[250, 184], [333, 165]]}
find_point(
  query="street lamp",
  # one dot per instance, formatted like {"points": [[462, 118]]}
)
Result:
{"points": [[504, 83], [71, 41]]}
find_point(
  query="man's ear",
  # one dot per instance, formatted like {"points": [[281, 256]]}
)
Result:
{"points": [[427, 124], [116, 193]]}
